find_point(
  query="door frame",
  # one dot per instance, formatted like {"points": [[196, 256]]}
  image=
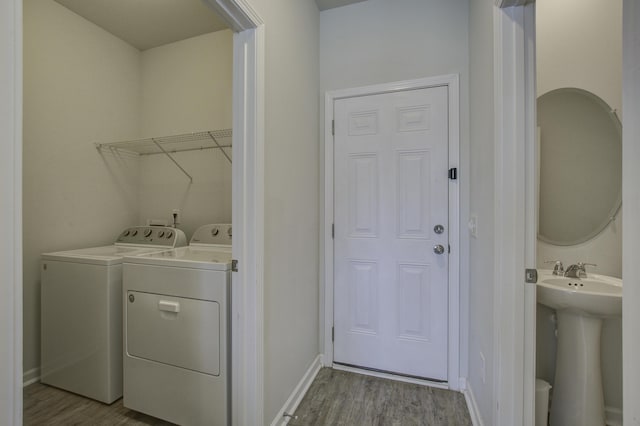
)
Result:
{"points": [[630, 207], [247, 298], [11, 212], [451, 81], [515, 214]]}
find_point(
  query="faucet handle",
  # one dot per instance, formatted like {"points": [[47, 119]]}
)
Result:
{"points": [[580, 270], [558, 268]]}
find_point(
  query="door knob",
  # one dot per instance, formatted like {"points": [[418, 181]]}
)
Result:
{"points": [[438, 249]]}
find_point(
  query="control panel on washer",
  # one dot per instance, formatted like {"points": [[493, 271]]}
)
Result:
{"points": [[153, 235]]}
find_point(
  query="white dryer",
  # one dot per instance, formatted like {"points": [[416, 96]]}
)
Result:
{"points": [[177, 330], [81, 312]]}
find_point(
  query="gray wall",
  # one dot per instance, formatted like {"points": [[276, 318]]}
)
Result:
{"points": [[482, 204]]}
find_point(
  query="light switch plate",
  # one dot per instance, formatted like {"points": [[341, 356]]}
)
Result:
{"points": [[473, 226]]}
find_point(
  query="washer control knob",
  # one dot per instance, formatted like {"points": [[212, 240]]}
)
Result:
{"points": [[160, 234], [134, 233], [169, 234], [126, 233], [147, 232], [229, 232], [214, 232]]}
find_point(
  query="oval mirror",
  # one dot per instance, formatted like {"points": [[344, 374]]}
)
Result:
{"points": [[580, 166]]}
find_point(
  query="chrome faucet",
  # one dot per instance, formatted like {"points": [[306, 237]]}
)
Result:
{"points": [[558, 268], [577, 270]]}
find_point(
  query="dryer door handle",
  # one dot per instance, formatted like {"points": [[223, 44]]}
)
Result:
{"points": [[169, 306]]}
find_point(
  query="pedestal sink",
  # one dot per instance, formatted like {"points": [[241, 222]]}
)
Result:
{"points": [[581, 304]]}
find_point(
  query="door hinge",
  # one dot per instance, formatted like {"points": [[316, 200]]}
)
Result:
{"points": [[333, 334], [234, 265], [531, 276], [333, 127], [333, 231], [453, 173], [449, 245]]}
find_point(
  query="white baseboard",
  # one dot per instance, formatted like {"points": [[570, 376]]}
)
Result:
{"points": [[613, 415], [472, 405], [396, 377], [298, 393], [31, 376]]}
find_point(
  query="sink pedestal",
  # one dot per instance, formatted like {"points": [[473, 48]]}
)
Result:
{"points": [[578, 398]]}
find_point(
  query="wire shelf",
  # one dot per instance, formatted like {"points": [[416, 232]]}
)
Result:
{"points": [[171, 144], [167, 145]]}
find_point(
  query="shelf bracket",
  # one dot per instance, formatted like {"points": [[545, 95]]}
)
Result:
{"points": [[172, 159], [213, 138]]}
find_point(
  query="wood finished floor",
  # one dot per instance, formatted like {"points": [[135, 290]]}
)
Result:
{"points": [[335, 398], [341, 398], [46, 405]]}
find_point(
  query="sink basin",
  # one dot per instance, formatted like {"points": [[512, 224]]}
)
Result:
{"points": [[581, 304], [596, 295]]}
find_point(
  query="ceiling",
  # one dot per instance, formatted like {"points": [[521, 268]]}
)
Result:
{"points": [[149, 23], [330, 4], [145, 24]]}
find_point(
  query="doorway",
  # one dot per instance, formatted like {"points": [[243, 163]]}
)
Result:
{"points": [[376, 318], [248, 106], [514, 47], [579, 61]]}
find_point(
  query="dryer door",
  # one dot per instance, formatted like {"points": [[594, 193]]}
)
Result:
{"points": [[174, 330]]}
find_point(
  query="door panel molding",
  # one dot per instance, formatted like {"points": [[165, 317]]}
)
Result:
{"points": [[410, 118]]}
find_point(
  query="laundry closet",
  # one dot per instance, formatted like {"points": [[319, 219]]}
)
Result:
{"points": [[86, 89]]}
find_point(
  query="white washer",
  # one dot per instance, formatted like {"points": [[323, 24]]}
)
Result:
{"points": [[177, 330], [81, 312]]}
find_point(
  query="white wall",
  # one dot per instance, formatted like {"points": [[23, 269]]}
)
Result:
{"points": [[482, 204], [186, 87], [579, 44], [80, 86], [291, 196], [380, 41]]}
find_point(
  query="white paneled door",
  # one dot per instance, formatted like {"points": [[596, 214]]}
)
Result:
{"points": [[391, 232]]}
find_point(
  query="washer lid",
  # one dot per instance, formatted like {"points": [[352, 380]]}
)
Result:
{"points": [[104, 255], [197, 257]]}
